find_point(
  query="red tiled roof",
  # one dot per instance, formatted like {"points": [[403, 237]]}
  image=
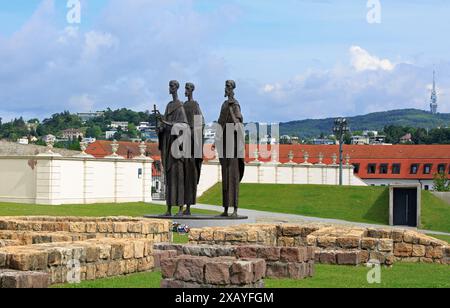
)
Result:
{"points": [[102, 148], [364, 155], [406, 155]]}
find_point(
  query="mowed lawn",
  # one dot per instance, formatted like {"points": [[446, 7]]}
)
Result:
{"points": [[401, 275], [356, 204], [92, 210]]}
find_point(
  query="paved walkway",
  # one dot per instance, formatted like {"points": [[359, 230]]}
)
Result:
{"points": [[269, 217]]}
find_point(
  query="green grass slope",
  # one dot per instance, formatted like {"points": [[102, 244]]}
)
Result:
{"points": [[356, 204], [92, 210]]}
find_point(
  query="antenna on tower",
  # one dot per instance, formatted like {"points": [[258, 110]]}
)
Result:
{"points": [[434, 105]]}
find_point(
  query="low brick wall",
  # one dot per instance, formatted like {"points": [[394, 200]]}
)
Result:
{"points": [[281, 262], [203, 272], [334, 244]]}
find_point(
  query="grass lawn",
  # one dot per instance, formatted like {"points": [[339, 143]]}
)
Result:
{"points": [[327, 276], [94, 210], [442, 237], [357, 204]]}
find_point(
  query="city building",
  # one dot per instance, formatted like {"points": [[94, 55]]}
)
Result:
{"points": [[360, 140], [117, 124], [72, 134], [377, 165], [149, 135], [87, 116], [406, 139], [110, 134], [434, 97], [323, 141]]}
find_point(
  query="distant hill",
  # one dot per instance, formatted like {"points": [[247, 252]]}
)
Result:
{"points": [[373, 121]]}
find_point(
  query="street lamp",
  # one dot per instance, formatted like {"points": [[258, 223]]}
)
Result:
{"points": [[340, 129]]}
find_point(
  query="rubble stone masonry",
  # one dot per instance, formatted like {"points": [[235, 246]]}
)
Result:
{"points": [[334, 244]]}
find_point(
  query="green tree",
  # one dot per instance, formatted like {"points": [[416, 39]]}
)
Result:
{"points": [[94, 132], [441, 182]]}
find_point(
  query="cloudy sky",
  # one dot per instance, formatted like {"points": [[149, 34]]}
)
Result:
{"points": [[292, 59]]}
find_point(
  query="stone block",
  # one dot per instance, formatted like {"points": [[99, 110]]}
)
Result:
{"points": [[77, 227], [403, 250], [326, 242], [120, 227], [269, 253], [247, 252], [128, 251], [241, 273], [139, 249], [328, 257], [236, 236], [348, 242], [286, 241], [418, 251], [369, 243], [291, 230], [101, 270], [30, 261], [386, 245], [364, 256], [397, 236], [168, 267], [259, 269], [191, 268], [217, 273], [297, 254], [114, 269], [23, 280], [277, 270], [348, 258]]}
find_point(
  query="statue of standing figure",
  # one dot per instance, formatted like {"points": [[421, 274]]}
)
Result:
{"points": [[182, 172], [230, 144], [193, 162], [173, 165]]}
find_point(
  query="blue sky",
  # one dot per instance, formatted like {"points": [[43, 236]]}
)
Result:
{"points": [[292, 59]]}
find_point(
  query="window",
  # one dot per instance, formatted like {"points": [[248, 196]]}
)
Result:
{"points": [[396, 168], [384, 168], [372, 169], [427, 168], [427, 187], [414, 168], [356, 170], [442, 168]]}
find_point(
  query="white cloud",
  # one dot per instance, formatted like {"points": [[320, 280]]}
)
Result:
{"points": [[95, 42], [82, 103], [362, 61]]}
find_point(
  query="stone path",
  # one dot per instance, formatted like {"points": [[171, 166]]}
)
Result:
{"points": [[269, 217]]}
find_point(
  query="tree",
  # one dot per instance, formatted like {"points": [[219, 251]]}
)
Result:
{"points": [[94, 132], [441, 182]]}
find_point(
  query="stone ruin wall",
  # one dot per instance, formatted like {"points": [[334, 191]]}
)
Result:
{"points": [[334, 244], [40, 251]]}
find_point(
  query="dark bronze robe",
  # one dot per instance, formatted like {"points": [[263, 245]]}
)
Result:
{"points": [[173, 167], [193, 164], [232, 168]]}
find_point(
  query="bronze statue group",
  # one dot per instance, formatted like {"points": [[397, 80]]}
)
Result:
{"points": [[182, 161]]}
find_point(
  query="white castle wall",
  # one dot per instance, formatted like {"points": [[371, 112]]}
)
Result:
{"points": [[273, 173], [74, 180]]}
